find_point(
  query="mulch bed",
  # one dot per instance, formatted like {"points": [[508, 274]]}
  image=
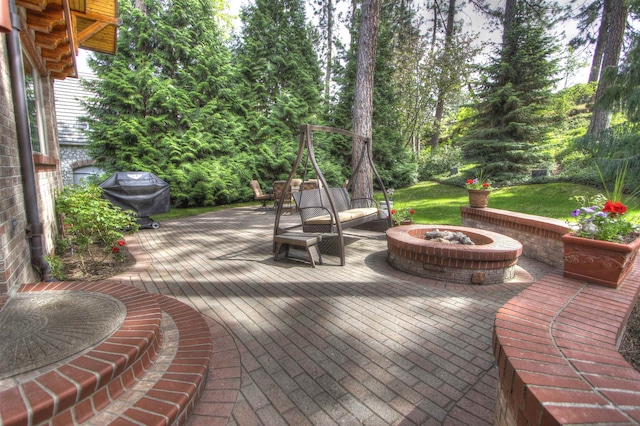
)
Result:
{"points": [[112, 265]]}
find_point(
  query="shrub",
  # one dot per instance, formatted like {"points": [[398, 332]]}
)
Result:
{"points": [[87, 218], [436, 162]]}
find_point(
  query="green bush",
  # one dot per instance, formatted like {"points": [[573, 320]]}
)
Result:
{"points": [[57, 269], [436, 162], [88, 219]]}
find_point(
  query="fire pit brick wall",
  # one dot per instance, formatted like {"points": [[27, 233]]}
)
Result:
{"points": [[540, 236]]}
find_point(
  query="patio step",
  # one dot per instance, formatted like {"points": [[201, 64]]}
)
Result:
{"points": [[151, 370]]}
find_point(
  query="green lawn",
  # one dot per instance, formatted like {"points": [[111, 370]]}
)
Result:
{"points": [[440, 204]]}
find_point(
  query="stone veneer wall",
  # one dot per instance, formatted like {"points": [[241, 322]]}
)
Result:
{"points": [[540, 236], [72, 157], [556, 343]]}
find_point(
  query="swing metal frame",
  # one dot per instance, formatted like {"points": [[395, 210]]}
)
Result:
{"points": [[336, 227]]}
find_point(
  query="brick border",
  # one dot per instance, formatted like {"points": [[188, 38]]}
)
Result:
{"points": [[79, 389], [556, 342], [556, 345], [89, 382], [541, 237]]}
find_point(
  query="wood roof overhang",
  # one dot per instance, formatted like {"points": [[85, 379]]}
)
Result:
{"points": [[54, 30]]}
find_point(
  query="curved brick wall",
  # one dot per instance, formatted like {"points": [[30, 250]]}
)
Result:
{"points": [[556, 343]]}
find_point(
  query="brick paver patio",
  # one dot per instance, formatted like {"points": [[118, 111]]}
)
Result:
{"points": [[359, 344]]}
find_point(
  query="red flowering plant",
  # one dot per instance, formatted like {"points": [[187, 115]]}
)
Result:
{"points": [[117, 245], [604, 217], [479, 182], [399, 215]]}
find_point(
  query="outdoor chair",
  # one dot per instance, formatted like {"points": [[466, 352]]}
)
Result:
{"points": [[279, 187], [311, 184], [258, 195]]}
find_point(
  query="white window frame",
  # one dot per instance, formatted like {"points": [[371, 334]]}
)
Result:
{"points": [[36, 79]]}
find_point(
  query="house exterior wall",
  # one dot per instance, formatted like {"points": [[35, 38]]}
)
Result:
{"points": [[15, 253], [72, 140]]}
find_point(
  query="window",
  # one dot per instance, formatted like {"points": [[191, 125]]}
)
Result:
{"points": [[35, 106]]}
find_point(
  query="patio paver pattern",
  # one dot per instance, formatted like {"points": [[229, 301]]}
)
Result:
{"points": [[359, 344]]}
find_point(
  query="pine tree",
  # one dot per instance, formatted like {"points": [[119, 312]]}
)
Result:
{"points": [[166, 103], [281, 82], [510, 124]]}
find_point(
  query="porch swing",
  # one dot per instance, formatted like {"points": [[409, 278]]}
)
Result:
{"points": [[326, 210]]}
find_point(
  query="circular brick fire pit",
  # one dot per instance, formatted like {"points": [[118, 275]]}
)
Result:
{"points": [[491, 260]]}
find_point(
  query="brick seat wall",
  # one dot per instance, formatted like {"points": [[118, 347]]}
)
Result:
{"points": [[556, 343], [556, 346], [540, 236]]}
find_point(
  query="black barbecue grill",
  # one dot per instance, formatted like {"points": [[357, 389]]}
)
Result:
{"points": [[142, 192]]}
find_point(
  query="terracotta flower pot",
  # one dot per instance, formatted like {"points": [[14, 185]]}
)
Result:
{"points": [[600, 262], [406, 222], [479, 198]]}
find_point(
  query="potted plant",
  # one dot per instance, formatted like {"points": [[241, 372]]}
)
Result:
{"points": [[604, 241], [479, 189], [402, 216]]}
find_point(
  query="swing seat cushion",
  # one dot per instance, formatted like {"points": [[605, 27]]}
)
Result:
{"points": [[343, 216]]}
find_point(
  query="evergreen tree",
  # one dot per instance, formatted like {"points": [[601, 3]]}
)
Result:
{"points": [[281, 82], [165, 103], [509, 126], [618, 145]]}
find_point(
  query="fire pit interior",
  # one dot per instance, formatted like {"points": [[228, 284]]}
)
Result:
{"points": [[491, 259]]}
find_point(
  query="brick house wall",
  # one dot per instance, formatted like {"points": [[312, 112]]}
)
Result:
{"points": [[15, 253]]}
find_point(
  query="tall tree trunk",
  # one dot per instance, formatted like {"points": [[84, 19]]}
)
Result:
{"points": [[596, 61], [141, 6], [510, 10], [617, 21], [442, 90], [363, 96], [327, 76], [434, 32]]}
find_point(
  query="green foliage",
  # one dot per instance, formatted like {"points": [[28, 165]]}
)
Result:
{"points": [[611, 149], [437, 161], [571, 101], [56, 266], [511, 121], [167, 103], [87, 218], [280, 82]]}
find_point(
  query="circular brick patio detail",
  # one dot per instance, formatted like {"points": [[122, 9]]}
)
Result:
{"points": [[491, 260]]}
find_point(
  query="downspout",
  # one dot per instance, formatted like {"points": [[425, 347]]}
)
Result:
{"points": [[27, 170]]}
